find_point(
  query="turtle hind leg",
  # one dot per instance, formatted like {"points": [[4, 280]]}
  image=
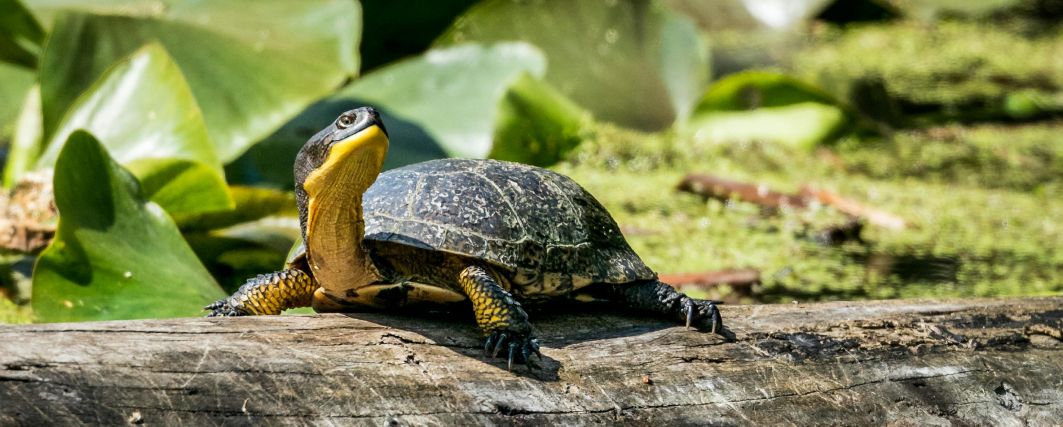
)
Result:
{"points": [[500, 317], [267, 294], [662, 299]]}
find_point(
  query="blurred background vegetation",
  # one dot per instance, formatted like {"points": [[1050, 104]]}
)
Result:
{"points": [[169, 129]]}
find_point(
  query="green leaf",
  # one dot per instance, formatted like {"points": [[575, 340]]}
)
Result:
{"points": [[181, 187], [536, 124], [251, 65], [20, 34], [457, 101], [451, 93], [802, 125], [631, 62], [115, 254], [252, 204], [15, 83], [26, 138], [144, 113], [761, 105], [756, 89]]}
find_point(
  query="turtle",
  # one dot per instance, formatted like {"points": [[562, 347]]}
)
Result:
{"points": [[492, 233]]}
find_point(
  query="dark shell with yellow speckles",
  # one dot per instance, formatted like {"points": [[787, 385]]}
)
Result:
{"points": [[546, 230]]}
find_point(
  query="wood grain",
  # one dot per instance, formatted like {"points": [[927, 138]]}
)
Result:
{"points": [[960, 362]]}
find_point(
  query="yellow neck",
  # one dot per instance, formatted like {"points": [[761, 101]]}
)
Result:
{"points": [[334, 225], [337, 254]]}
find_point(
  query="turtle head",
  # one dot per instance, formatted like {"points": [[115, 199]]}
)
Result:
{"points": [[340, 162]]}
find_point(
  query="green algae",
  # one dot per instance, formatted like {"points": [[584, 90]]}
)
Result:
{"points": [[977, 228], [951, 71]]}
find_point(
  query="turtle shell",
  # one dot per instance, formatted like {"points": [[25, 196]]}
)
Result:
{"points": [[540, 225]]}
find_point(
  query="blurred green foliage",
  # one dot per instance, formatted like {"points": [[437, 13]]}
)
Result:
{"points": [[113, 245], [171, 128]]}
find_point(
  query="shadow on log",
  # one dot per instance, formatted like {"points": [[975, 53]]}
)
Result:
{"points": [[967, 362]]}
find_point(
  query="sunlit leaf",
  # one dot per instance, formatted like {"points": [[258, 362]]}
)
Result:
{"points": [[536, 124], [251, 204], [115, 254], [15, 83], [25, 139], [457, 101], [451, 93], [760, 105], [251, 65], [803, 125], [20, 34], [632, 62], [757, 89], [181, 187], [143, 111]]}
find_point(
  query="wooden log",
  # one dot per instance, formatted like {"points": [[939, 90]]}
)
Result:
{"points": [[961, 362]]}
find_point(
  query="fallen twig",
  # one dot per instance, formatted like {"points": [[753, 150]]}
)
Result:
{"points": [[855, 209], [735, 277], [723, 189]]}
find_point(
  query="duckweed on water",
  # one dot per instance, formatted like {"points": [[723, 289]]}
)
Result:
{"points": [[951, 71], [983, 223]]}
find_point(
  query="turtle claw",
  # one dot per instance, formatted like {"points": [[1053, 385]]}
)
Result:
{"points": [[688, 307], [702, 313], [498, 345], [519, 347], [512, 351], [223, 308]]}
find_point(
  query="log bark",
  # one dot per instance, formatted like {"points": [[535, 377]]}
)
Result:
{"points": [[961, 362]]}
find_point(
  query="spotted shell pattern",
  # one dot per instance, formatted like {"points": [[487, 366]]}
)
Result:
{"points": [[551, 234]]}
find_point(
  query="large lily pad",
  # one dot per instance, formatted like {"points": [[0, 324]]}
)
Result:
{"points": [[115, 254], [452, 94], [632, 62], [761, 105], [468, 100], [20, 34], [144, 113], [251, 65]]}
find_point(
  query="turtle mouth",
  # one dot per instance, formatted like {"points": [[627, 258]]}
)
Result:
{"points": [[352, 163]]}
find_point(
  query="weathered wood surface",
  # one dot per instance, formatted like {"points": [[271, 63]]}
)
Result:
{"points": [[970, 362]]}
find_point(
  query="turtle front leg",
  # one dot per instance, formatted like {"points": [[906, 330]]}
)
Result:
{"points": [[267, 294], [500, 316], [662, 299]]}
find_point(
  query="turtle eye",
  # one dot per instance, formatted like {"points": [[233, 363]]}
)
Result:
{"points": [[344, 121]]}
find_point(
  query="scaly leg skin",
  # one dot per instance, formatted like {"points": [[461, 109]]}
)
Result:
{"points": [[267, 294], [500, 317], [662, 299]]}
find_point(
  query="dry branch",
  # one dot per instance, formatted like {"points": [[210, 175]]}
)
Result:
{"points": [[735, 277], [977, 362], [723, 189]]}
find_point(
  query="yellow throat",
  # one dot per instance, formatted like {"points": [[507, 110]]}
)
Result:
{"points": [[335, 227]]}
